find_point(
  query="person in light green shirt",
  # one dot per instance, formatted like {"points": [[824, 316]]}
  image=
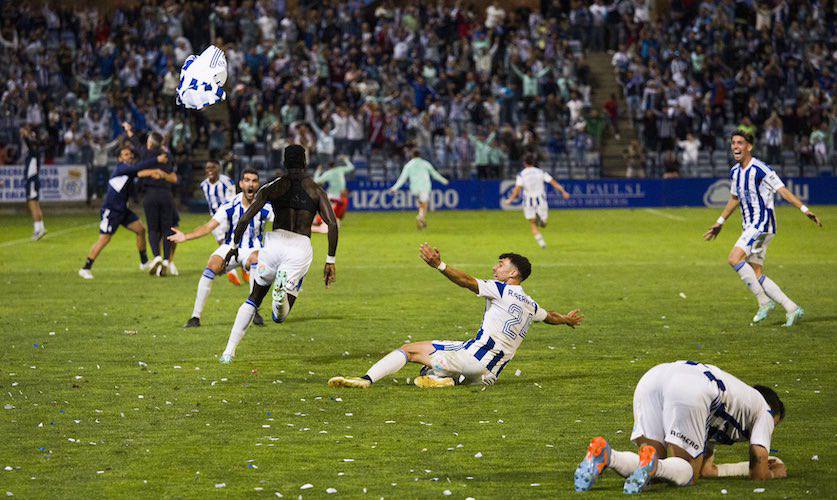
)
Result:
{"points": [[335, 181], [418, 172], [483, 153]]}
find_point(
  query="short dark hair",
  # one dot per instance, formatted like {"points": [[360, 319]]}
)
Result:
{"points": [[530, 159], [294, 157], [773, 401], [520, 262], [156, 137], [743, 133], [249, 170]]}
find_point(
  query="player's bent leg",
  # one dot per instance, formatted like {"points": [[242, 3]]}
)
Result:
{"points": [[138, 228], [418, 352], [242, 321], [537, 233], [251, 263], [97, 248], [593, 465], [678, 467], [738, 261], [214, 266]]}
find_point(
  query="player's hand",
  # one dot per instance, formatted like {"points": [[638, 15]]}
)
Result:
{"points": [[573, 318], [565, 195], [505, 202], [329, 274], [162, 158], [713, 232], [777, 468], [232, 254], [177, 237], [814, 218], [430, 255]]}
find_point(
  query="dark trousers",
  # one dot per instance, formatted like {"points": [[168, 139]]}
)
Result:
{"points": [[160, 214]]}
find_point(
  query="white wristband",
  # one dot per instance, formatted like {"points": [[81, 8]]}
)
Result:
{"points": [[804, 209], [720, 220], [741, 469], [331, 259], [441, 267]]}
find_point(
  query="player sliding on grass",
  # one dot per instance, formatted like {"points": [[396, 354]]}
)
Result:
{"points": [[225, 218], [753, 185], [508, 314], [287, 252], [681, 410]]}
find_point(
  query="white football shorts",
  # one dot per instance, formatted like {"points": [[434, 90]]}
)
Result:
{"points": [[754, 243], [535, 205], [285, 251], [450, 359], [220, 234], [243, 255]]}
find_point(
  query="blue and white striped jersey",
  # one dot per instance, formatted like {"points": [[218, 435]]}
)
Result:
{"points": [[228, 214], [755, 187], [508, 314], [217, 193]]}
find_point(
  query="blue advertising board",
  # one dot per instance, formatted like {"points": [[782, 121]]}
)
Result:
{"points": [[616, 193]]}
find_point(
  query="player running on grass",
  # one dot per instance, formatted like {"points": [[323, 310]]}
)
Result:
{"points": [[286, 255], [508, 314], [334, 182], [418, 172], [753, 185], [681, 410], [225, 218], [531, 181], [218, 189]]}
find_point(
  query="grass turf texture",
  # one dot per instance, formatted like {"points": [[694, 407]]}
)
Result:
{"points": [[121, 399]]}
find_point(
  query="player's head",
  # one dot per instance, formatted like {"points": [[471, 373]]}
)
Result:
{"points": [[249, 182], [212, 170], [777, 408], [295, 157], [741, 143], [530, 160], [126, 155], [154, 140], [512, 266]]}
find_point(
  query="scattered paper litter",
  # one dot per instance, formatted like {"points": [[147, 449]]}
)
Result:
{"points": [[815, 458], [447, 493], [306, 486], [478, 455], [331, 491], [758, 490], [220, 485]]}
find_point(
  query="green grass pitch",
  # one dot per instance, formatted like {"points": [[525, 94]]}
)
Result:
{"points": [[104, 394]]}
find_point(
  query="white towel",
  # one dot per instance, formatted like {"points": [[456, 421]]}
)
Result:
{"points": [[201, 78]]}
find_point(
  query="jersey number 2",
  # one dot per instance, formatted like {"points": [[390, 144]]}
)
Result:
{"points": [[517, 317]]}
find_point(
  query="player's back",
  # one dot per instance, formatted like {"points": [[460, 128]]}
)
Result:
{"points": [[532, 179], [295, 199], [739, 411]]}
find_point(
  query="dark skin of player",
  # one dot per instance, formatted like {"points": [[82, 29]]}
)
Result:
{"points": [[290, 219]]}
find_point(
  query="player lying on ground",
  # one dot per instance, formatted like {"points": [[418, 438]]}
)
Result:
{"points": [[531, 182], [681, 410], [115, 211], [218, 189], [286, 255], [225, 218], [753, 185], [508, 314]]}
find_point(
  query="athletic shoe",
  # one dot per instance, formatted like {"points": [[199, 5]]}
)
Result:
{"points": [[794, 317], [154, 266], [593, 465], [245, 275], [433, 382], [193, 322], [279, 296], [226, 359], [257, 319], [351, 382], [145, 266], [85, 273], [647, 470], [764, 310], [420, 223], [38, 235], [233, 277], [173, 269]]}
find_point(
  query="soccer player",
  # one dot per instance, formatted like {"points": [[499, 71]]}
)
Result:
{"points": [[753, 185], [115, 211], [287, 253], [335, 180], [681, 410], [219, 189], [418, 172], [34, 141], [509, 312], [227, 216], [531, 181]]}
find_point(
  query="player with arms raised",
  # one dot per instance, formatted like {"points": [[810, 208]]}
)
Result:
{"points": [[287, 253], [531, 181], [753, 185], [508, 314]]}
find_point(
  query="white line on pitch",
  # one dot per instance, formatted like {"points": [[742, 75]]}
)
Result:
{"points": [[50, 234], [663, 214]]}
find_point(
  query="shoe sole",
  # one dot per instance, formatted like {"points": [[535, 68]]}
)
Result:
{"points": [[589, 470], [233, 279], [336, 382], [640, 478], [427, 382], [153, 270]]}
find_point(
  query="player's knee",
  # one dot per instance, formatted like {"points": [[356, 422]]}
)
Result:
{"points": [[734, 260], [408, 351]]}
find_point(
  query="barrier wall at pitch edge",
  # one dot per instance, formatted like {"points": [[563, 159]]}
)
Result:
{"points": [[58, 183], [476, 195]]}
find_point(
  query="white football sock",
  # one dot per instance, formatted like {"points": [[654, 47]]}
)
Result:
{"points": [[39, 226], [748, 276], [540, 240], [675, 470], [623, 462], [242, 321], [388, 365], [774, 292], [252, 276], [204, 288]]}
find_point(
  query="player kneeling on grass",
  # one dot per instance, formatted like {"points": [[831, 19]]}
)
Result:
{"points": [[226, 217], [508, 314], [681, 410]]}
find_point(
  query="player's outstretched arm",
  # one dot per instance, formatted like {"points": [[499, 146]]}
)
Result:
{"points": [[434, 259], [180, 237], [715, 230], [513, 196], [327, 214], [558, 187], [793, 200], [571, 319], [762, 467]]}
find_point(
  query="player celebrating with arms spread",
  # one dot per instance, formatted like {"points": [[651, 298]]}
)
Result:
{"points": [[752, 185], [531, 181], [508, 314], [418, 172]]}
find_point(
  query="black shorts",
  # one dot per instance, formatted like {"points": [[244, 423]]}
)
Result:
{"points": [[112, 219], [33, 188]]}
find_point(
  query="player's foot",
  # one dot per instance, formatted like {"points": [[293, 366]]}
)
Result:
{"points": [[763, 311], [433, 382], [154, 266], [233, 277], [226, 359], [172, 271], [193, 322], [85, 273], [258, 320], [38, 234], [352, 382], [245, 275], [420, 223], [794, 317], [279, 296], [647, 470], [145, 266], [595, 462]]}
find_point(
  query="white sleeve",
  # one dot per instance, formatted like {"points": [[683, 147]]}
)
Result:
{"points": [[762, 430], [547, 178], [490, 289], [773, 181], [231, 189], [518, 181], [269, 208], [733, 188], [221, 214], [540, 313]]}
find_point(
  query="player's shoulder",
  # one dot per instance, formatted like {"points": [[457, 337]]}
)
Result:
{"points": [[204, 182], [225, 179], [762, 166]]}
